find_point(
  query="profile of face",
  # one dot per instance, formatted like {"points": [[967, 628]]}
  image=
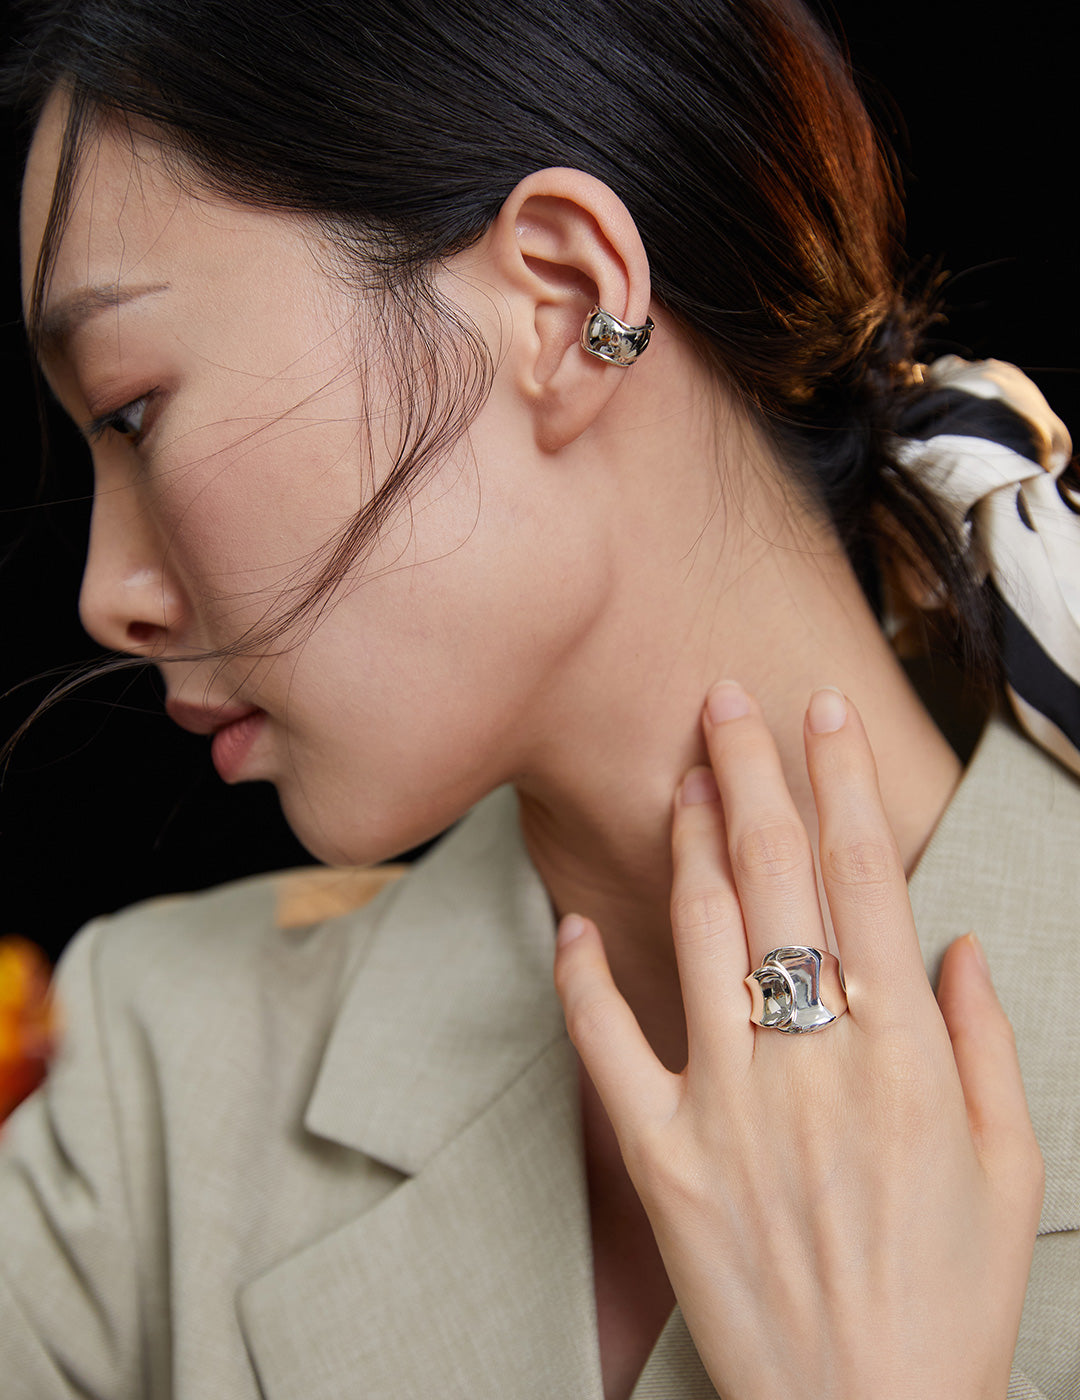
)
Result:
{"points": [[240, 415]]}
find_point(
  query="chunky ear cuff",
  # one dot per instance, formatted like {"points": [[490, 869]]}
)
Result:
{"points": [[612, 340]]}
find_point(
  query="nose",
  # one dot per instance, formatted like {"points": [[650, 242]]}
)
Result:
{"points": [[129, 600]]}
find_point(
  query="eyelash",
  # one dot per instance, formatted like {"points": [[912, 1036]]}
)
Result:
{"points": [[115, 420]]}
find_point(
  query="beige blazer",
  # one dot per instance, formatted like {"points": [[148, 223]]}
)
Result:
{"points": [[344, 1159]]}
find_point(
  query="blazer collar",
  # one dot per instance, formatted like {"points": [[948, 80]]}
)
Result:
{"points": [[454, 998]]}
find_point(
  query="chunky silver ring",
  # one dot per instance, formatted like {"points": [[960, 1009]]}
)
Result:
{"points": [[610, 339], [797, 989]]}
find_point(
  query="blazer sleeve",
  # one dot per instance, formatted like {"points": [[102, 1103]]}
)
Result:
{"points": [[69, 1317]]}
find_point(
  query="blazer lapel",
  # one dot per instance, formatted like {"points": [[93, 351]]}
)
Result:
{"points": [[1004, 862], [449, 1062], [472, 1278]]}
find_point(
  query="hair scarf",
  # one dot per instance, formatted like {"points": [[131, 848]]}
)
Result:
{"points": [[994, 453]]}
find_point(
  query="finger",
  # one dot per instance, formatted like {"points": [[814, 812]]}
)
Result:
{"points": [[768, 847], [706, 920], [984, 1047], [861, 867], [633, 1085]]}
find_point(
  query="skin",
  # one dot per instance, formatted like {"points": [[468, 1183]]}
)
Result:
{"points": [[551, 610]]}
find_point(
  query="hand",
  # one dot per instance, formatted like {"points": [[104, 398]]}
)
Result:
{"points": [[846, 1213]]}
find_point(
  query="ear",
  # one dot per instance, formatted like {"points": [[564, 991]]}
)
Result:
{"points": [[563, 243]]}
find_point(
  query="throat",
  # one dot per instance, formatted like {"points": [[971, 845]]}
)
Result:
{"points": [[633, 1301], [634, 1297]]}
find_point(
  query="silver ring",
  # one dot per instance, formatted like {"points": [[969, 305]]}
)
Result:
{"points": [[797, 989], [610, 339]]}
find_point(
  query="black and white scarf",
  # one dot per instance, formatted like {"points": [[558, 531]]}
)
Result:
{"points": [[994, 453]]}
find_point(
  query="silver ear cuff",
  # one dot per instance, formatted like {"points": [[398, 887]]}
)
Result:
{"points": [[612, 340]]}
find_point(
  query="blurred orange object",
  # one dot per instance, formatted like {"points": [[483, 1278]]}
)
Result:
{"points": [[28, 1019]]}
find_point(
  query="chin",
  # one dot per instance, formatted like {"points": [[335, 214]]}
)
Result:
{"points": [[366, 833]]}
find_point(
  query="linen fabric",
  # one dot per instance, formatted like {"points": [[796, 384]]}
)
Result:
{"points": [[345, 1159]]}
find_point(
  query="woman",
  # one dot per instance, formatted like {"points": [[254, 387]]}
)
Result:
{"points": [[475, 451]]}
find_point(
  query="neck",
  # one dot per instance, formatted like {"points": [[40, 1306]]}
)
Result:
{"points": [[596, 800]]}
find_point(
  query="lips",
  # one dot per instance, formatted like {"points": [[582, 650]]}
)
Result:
{"points": [[233, 743], [234, 727], [207, 719]]}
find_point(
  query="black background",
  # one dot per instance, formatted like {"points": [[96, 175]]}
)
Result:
{"points": [[107, 802]]}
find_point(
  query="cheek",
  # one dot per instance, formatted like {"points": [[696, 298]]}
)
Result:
{"points": [[430, 681], [247, 522], [462, 610]]}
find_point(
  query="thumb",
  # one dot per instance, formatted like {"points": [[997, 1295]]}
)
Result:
{"points": [[984, 1047]]}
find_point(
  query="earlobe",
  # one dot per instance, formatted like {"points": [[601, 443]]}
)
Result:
{"points": [[569, 247]]}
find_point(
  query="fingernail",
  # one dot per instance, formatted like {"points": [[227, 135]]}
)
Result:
{"points": [[980, 953], [699, 785], [828, 710], [727, 700], [573, 926]]}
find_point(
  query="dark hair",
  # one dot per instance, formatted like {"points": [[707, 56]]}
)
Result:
{"points": [[731, 129]]}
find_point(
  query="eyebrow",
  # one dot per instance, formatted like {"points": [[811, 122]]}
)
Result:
{"points": [[60, 322]]}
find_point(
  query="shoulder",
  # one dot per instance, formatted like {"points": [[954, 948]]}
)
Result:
{"points": [[1002, 861], [166, 1133], [246, 963], [177, 1010], [190, 1020], [209, 944], [1012, 826]]}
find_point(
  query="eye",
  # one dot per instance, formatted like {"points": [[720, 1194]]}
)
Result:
{"points": [[126, 421]]}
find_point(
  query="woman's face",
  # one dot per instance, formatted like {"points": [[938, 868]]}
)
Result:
{"points": [[244, 387]]}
